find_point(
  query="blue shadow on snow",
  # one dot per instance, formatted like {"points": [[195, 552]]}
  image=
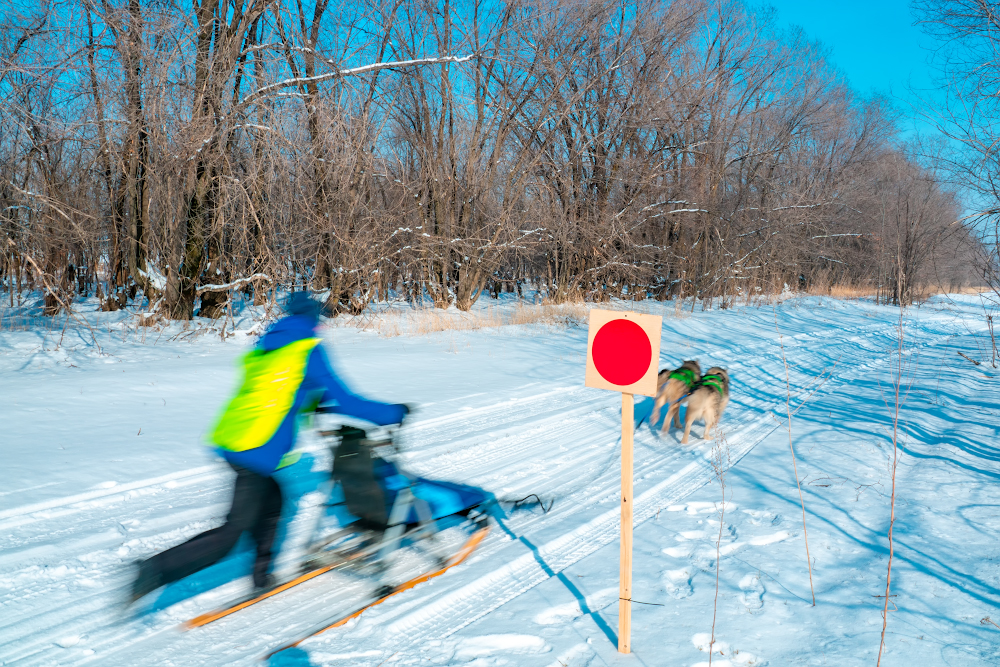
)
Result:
{"points": [[580, 597]]}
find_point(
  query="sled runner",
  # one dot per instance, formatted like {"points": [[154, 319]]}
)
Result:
{"points": [[387, 592], [386, 509]]}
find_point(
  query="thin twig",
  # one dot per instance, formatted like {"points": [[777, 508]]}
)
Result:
{"points": [[965, 356], [720, 471], [823, 380], [892, 501], [791, 448], [993, 340]]}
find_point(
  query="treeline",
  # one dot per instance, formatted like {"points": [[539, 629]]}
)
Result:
{"points": [[428, 148]]}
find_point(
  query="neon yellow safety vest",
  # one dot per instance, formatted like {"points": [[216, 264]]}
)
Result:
{"points": [[270, 381]]}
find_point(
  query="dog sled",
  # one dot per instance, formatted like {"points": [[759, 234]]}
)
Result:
{"points": [[383, 507], [378, 510]]}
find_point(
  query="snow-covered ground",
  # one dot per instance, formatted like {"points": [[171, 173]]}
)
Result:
{"points": [[104, 464]]}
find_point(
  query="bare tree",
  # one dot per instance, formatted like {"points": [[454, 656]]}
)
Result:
{"points": [[968, 62], [175, 154]]}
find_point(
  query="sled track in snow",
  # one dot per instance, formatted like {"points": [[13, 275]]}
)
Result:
{"points": [[503, 445], [450, 613], [475, 423], [93, 542]]}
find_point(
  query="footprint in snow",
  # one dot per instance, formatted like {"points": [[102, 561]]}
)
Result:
{"points": [[580, 655], [683, 551], [753, 592], [507, 644], [570, 611], [761, 517], [678, 583], [729, 656], [709, 507], [692, 535], [728, 531]]}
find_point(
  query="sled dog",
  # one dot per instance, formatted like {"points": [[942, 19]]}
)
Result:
{"points": [[707, 401], [672, 387]]}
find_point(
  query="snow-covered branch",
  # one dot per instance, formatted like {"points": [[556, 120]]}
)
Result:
{"points": [[351, 71], [822, 203], [235, 283]]}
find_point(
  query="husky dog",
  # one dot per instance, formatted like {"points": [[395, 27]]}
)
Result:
{"points": [[707, 401], [671, 388]]}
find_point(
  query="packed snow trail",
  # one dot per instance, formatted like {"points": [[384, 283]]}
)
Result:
{"points": [[62, 559]]}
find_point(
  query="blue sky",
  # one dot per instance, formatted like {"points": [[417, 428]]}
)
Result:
{"points": [[874, 43]]}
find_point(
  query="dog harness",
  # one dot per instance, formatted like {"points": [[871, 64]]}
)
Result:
{"points": [[714, 381], [685, 375]]}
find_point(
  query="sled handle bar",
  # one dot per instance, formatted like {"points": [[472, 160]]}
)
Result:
{"points": [[336, 410]]}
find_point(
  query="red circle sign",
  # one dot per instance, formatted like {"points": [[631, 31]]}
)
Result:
{"points": [[621, 352]]}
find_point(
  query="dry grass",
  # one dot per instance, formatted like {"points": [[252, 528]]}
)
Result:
{"points": [[12, 322], [13, 319], [922, 293], [843, 291], [927, 292], [421, 322]]}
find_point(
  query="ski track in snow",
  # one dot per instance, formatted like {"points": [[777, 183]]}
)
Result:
{"points": [[62, 557]]}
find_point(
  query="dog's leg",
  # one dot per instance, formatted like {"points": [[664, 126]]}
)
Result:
{"points": [[688, 423], [718, 415], [677, 413], [657, 406], [671, 416], [711, 419]]}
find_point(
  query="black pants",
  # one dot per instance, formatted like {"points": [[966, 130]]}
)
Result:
{"points": [[256, 508]]}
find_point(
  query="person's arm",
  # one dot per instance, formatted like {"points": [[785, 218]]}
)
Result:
{"points": [[319, 372]]}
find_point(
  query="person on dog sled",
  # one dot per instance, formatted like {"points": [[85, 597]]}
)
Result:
{"points": [[284, 374]]}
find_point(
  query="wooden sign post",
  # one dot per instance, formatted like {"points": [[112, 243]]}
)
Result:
{"points": [[623, 350]]}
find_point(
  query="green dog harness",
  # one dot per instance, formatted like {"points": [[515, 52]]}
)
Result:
{"points": [[685, 375], [714, 381]]}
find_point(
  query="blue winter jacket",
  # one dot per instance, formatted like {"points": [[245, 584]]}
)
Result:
{"points": [[320, 385]]}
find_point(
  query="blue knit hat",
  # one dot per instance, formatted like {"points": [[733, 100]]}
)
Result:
{"points": [[303, 305]]}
